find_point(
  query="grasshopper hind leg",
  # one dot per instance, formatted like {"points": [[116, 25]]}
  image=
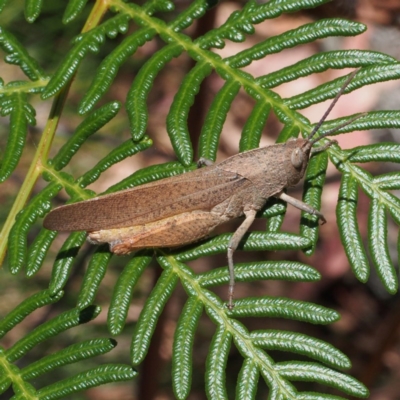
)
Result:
{"points": [[174, 231]]}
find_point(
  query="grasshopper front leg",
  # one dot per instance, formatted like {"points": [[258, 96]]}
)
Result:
{"points": [[204, 162], [300, 205]]}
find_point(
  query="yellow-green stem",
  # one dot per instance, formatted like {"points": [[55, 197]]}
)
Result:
{"points": [[40, 158]]}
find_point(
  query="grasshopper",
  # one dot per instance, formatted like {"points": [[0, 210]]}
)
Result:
{"points": [[183, 209]]}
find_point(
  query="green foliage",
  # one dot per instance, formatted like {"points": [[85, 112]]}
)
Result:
{"points": [[136, 25]]}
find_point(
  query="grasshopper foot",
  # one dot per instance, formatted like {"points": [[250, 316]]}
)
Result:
{"points": [[204, 162]]}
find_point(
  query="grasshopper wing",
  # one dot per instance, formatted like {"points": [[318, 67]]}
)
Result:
{"points": [[201, 190]]}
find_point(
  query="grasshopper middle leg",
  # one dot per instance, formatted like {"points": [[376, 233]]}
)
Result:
{"points": [[232, 246]]}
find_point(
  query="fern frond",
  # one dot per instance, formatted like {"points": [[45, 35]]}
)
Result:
{"points": [[241, 22], [381, 203], [126, 149], [151, 311], [250, 345], [254, 241], [63, 264], [94, 377], [306, 33], [215, 118], [323, 61], [16, 54], [184, 99], [137, 96], [74, 7], [301, 344], [216, 364], [110, 66], [314, 182], [377, 235], [95, 273], [305, 371], [50, 329], [123, 291], [247, 381], [85, 43], [21, 114], [88, 127], [18, 236], [183, 347], [135, 25], [275, 213], [29, 305], [283, 308], [32, 9], [346, 212], [2, 4], [38, 250], [248, 272], [329, 90], [254, 126], [70, 355]]}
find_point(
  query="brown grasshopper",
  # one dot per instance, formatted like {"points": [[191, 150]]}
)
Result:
{"points": [[183, 209]]}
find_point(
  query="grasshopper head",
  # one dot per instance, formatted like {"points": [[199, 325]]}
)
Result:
{"points": [[300, 150], [298, 154]]}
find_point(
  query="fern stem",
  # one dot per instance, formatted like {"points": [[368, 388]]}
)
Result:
{"points": [[36, 168], [96, 15]]}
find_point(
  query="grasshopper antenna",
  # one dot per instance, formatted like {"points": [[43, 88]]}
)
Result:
{"points": [[321, 121], [336, 128]]}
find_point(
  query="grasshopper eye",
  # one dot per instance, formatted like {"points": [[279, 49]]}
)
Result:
{"points": [[297, 158]]}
